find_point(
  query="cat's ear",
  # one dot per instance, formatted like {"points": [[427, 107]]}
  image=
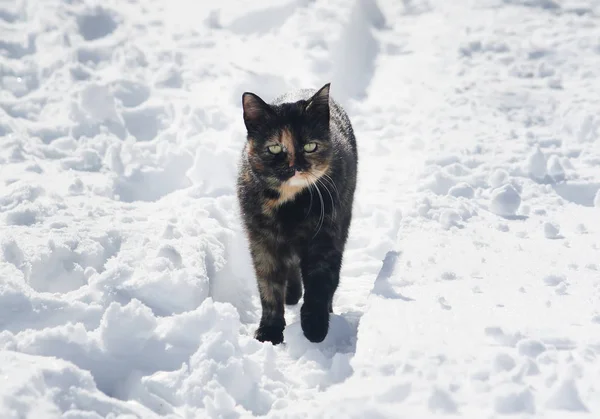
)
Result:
{"points": [[318, 104], [256, 111]]}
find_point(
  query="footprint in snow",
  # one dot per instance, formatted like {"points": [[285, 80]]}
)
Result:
{"points": [[444, 304], [554, 280]]}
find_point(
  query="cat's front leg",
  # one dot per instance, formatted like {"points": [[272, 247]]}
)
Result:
{"points": [[293, 289], [271, 275], [320, 274], [272, 321]]}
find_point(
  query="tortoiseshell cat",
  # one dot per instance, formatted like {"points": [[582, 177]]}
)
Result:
{"points": [[296, 188]]}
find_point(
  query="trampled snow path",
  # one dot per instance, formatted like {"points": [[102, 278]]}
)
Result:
{"points": [[126, 288]]}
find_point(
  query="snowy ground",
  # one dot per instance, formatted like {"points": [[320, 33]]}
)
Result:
{"points": [[471, 282]]}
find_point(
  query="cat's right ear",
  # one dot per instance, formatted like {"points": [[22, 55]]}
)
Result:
{"points": [[256, 111]]}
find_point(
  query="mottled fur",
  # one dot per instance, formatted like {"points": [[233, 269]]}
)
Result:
{"points": [[297, 226]]}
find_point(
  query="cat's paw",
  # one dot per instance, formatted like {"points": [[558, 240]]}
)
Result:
{"points": [[315, 321], [271, 333], [293, 292]]}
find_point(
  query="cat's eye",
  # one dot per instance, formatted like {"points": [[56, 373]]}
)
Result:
{"points": [[310, 147], [275, 149]]}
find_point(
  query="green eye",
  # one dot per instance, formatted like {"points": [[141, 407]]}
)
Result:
{"points": [[275, 149], [310, 147]]}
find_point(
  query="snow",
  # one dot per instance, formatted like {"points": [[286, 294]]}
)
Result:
{"points": [[551, 230], [471, 280], [555, 169], [505, 200], [536, 163]]}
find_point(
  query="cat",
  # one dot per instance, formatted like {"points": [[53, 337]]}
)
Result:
{"points": [[295, 186]]}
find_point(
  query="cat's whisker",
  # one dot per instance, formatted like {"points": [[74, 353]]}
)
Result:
{"points": [[330, 196], [330, 180], [325, 177], [309, 185], [322, 218], [322, 215]]}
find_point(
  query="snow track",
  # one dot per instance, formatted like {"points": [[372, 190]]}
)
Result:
{"points": [[471, 280]]}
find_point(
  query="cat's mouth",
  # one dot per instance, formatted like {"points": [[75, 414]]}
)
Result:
{"points": [[300, 179], [304, 178]]}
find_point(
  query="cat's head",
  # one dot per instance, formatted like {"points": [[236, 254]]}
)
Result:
{"points": [[288, 143]]}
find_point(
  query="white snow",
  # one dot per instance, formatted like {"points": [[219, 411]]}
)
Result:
{"points": [[551, 230], [462, 189], [537, 163], [555, 168], [126, 287], [505, 200]]}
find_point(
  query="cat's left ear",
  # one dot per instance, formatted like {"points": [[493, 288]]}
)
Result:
{"points": [[318, 104], [256, 111]]}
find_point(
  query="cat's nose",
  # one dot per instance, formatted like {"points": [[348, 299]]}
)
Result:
{"points": [[291, 172]]}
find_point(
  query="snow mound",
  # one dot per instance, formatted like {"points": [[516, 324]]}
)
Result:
{"points": [[51, 387], [537, 165], [565, 397], [505, 201], [551, 230], [462, 189]]}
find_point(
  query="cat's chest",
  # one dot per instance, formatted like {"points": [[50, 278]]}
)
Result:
{"points": [[298, 217], [292, 216]]}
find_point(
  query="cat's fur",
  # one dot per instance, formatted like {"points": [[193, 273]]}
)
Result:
{"points": [[297, 228]]}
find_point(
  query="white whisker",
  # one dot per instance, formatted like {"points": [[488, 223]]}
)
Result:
{"points": [[309, 185], [330, 180], [322, 215], [330, 197]]}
